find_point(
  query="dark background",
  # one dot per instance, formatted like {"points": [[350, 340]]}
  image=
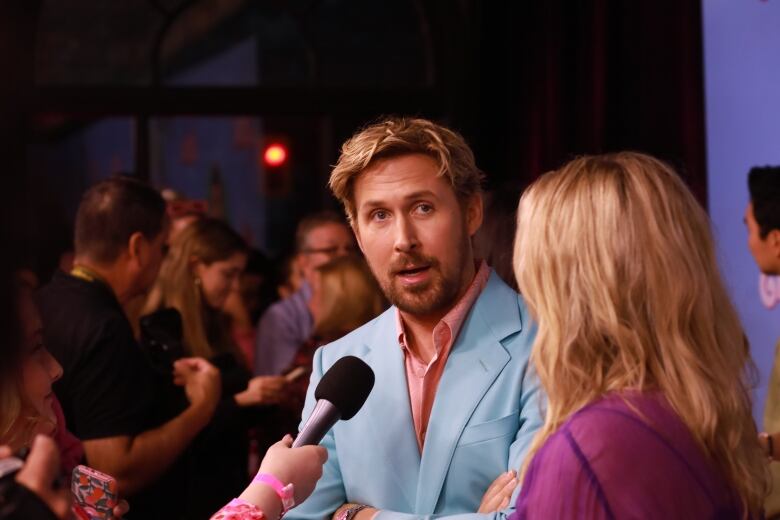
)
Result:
{"points": [[529, 84]]}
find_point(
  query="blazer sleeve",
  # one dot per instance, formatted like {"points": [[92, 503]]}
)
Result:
{"points": [[329, 494]]}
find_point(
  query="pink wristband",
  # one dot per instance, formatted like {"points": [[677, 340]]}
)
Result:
{"points": [[286, 493]]}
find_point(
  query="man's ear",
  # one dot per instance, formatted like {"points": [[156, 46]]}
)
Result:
{"points": [[135, 245], [474, 213], [773, 239]]}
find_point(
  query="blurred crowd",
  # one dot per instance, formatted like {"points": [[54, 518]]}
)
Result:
{"points": [[226, 335]]}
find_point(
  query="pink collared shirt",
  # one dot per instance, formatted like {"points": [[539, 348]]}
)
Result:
{"points": [[423, 379]]}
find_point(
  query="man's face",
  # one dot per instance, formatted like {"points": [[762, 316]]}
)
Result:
{"points": [[324, 243], [765, 251], [415, 233]]}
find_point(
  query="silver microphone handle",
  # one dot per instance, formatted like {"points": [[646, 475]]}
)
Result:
{"points": [[322, 419]]}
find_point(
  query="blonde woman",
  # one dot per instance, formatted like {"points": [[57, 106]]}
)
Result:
{"points": [[202, 268], [345, 296], [639, 350]]}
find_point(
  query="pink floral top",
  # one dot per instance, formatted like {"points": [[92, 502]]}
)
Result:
{"points": [[238, 509]]}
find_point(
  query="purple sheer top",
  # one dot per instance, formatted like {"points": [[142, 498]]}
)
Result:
{"points": [[611, 461]]}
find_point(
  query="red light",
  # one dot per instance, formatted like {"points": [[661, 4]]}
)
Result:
{"points": [[275, 155]]}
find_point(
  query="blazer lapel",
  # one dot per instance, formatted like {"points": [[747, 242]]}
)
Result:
{"points": [[390, 418], [475, 361]]}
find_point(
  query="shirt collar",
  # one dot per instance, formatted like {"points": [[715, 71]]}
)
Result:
{"points": [[456, 315]]}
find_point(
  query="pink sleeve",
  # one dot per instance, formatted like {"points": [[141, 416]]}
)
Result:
{"points": [[239, 509]]}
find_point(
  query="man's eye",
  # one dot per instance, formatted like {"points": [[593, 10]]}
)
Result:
{"points": [[380, 215], [423, 208]]}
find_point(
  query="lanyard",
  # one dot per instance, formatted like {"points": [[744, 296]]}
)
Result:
{"points": [[86, 274]]}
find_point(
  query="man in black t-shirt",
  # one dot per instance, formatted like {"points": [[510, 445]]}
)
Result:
{"points": [[108, 390]]}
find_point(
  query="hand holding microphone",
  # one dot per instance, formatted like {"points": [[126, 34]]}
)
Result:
{"points": [[294, 468]]}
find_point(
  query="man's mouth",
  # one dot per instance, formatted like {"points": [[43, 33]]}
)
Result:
{"points": [[413, 270], [414, 275]]}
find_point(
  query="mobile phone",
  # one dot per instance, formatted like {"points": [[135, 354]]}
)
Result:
{"points": [[161, 338], [294, 374], [94, 492]]}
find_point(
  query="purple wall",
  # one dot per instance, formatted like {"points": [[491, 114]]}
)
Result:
{"points": [[742, 84]]}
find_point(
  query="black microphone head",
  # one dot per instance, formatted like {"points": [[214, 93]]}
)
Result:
{"points": [[346, 385]]}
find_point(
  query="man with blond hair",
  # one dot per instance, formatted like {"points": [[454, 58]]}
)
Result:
{"points": [[454, 404]]}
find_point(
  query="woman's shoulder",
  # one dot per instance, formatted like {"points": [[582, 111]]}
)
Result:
{"points": [[624, 408], [630, 452], [636, 441], [627, 419]]}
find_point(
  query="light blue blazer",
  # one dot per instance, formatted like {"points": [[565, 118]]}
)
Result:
{"points": [[484, 416]]}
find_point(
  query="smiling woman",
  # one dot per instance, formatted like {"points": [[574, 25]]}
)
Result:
{"points": [[204, 263], [202, 269]]}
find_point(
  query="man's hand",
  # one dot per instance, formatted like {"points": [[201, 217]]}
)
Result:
{"points": [[40, 473], [262, 390], [499, 493], [201, 382]]}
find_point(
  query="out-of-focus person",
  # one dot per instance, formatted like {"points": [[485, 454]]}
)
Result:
{"points": [[37, 494], [203, 267], [762, 220], [108, 390], [28, 406], [247, 302], [182, 211], [288, 323], [495, 239], [289, 276], [345, 296], [639, 349]]}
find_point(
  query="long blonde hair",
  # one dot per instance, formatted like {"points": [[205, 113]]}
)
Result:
{"points": [[616, 261], [349, 297], [207, 241]]}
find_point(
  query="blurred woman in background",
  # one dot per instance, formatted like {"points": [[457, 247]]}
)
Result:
{"points": [[28, 406], [345, 295], [27, 402], [202, 268]]}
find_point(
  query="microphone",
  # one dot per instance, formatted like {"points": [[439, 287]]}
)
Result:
{"points": [[340, 395]]}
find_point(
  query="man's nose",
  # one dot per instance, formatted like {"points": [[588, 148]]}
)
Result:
{"points": [[405, 236]]}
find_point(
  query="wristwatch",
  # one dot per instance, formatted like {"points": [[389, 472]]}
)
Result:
{"points": [[286, 493], [350, 512]]}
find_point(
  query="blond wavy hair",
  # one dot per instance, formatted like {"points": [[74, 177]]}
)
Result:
{"points": [[616, 261], [349, 298], [206, 240], [396, 136]]}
